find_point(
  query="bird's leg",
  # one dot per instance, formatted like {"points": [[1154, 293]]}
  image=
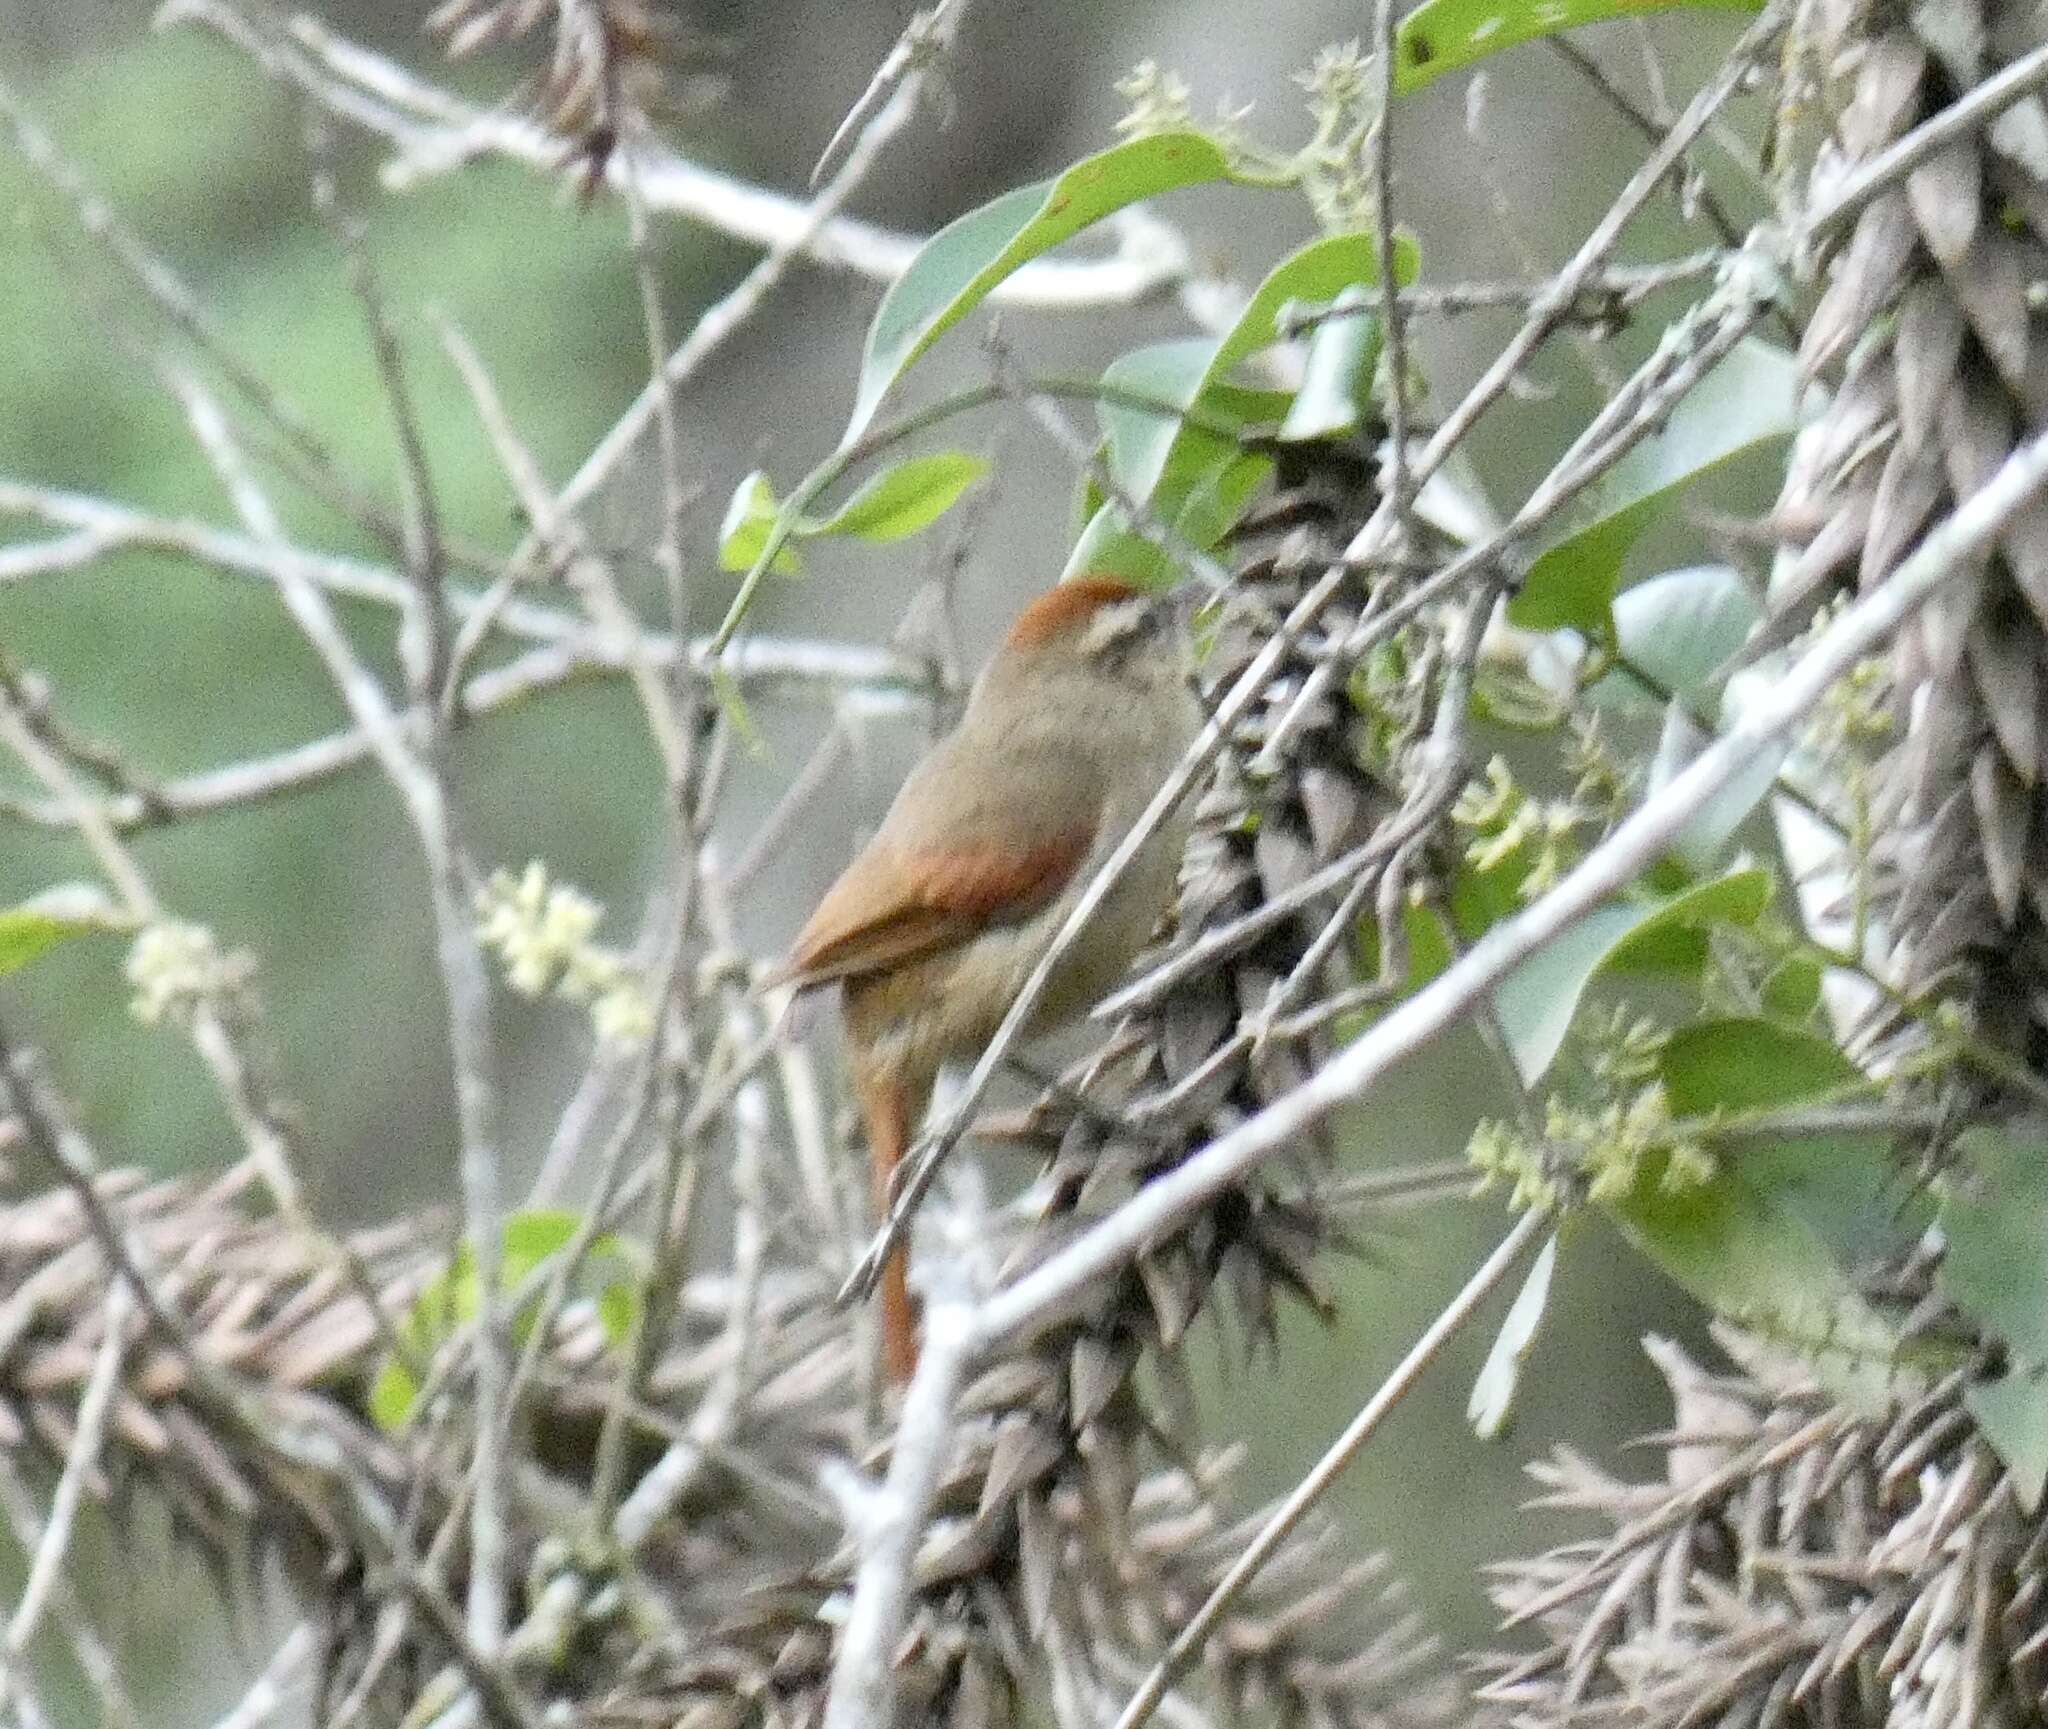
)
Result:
{"points": [[885, 1106]]}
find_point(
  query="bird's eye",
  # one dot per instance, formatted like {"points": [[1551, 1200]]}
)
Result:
{"points": [[1117, 629]]}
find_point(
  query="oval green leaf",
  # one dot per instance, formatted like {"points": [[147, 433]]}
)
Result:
{"points": [[1995, 1222], [1739, 1063], [1751, 1258], [903, 498], [1749, 400], [1845, 1186], [1675, 631], [955, 269], [1537, 1002], [1442, 35]]}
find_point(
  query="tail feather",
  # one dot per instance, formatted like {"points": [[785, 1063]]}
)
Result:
{"points": [[886, 1109]]}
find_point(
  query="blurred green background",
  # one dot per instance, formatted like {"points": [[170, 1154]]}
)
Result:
{"points": [[187, 668]]}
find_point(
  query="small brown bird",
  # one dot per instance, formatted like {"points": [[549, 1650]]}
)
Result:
{"points": [[931, 932]]}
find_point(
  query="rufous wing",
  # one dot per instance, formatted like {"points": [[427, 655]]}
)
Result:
{"points": [[892, 905]]}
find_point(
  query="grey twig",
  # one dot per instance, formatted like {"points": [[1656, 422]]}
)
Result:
{"points": [[81, 1459], [1188, 1642], [1393, 328], [1968, 113], [436, 131], [891, 1521]]}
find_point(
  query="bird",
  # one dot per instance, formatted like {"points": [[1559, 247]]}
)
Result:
{"points": [[1079, 716]]}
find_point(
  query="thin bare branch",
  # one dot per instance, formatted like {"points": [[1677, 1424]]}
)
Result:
{"points": [[1450, 1321]]}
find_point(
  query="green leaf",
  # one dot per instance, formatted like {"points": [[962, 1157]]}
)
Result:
{"points": [[392, 1396], [903, 498], [1845, 1186], [1200, 491], [54, 916], [1166, 461], [1442, 35], [1750, 1257], [1320, 271], [1674, 938], [1677, 629], [1995, 1221], [618, 1307], [1536, 1002], [2013, 1413], [1109, 546], [749, 519], [955, 269], [1741, 1064], [1493, 1393], [1792, 992], [531, 1236], [1429, 952], [529, 1240], [1750, 399], [1336, 378]]}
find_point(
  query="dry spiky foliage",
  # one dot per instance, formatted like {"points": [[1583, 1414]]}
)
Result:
{"points": [[726, 1614], [1799, 1564], [1928, 323], [1794, 1566], [682, 1531], [611, 62]]}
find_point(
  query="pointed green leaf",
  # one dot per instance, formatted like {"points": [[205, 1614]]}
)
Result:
{"points": [[955, 269], [530, 1237], [1677, 630], [1442, 35], [2013, 1413], [392, 1396], [1194, 485], [1537, 1002], [1336, 378], [1845, 1186], [1493, 1393], [54, 916], [1163, 460], [1995, 1220], [1749, 400], [1753, 1259], [1321, 270], [904, 497], [749, 519]]}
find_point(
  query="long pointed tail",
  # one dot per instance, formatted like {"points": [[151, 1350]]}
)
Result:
{"points": [[886, 1108]]}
